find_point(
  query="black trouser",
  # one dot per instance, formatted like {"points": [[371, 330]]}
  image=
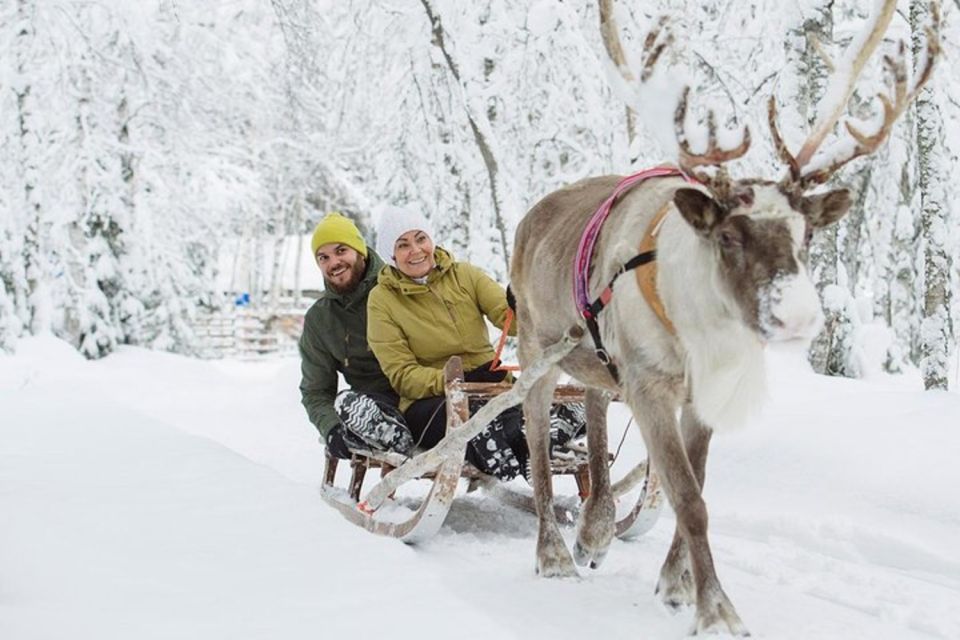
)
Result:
{"points": [[427, 420]]}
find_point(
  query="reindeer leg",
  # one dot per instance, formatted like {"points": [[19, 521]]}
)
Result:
{"points": [[596, 526], [553, 557], [715, 613], [676, 587]]}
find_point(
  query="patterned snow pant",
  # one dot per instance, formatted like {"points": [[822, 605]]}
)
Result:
{"points": [[369, 421]]}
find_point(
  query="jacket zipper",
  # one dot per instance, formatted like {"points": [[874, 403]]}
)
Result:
{"points": [[443, 303]]}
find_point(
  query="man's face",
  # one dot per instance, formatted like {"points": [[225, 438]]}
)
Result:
{"points": [[342, 266]]}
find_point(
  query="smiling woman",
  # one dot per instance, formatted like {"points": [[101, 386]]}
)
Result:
{"points": [[413, 254]]}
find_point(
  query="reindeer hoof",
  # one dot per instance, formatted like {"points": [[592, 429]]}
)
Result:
{"points": [[727, 627], [583, 555], [676, 595], [716, 615], [554, 561], [557, 569], [594, 531], [553, 556]]}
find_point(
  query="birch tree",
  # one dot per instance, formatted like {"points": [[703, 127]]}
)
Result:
{"points": [[936, 328], [29, 204], [13, 286], [828, 350]]}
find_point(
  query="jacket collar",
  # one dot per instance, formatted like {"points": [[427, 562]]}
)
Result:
{"points": [[369, 280], [392, 278]]}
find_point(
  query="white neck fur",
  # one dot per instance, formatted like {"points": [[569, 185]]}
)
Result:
{"points": [[725, 368]]}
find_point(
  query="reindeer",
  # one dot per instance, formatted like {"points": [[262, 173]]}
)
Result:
{"points": [[729, 277]]}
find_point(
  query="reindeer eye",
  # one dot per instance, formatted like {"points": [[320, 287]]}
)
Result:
{"points": [[807, 235], [729, 239]]}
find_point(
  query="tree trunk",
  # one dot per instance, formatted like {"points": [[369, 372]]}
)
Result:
{"points": [[37, 303], [828, 352], [936, 327], [900, 279], [483, 144]]}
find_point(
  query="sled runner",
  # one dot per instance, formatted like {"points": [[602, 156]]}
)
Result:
{"points": [[444, 466]]}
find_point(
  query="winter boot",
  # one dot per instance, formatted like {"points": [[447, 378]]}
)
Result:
{"points": [[379, 427], [567, 421]]}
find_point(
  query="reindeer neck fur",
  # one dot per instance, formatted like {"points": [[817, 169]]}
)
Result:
{"points": [[719, 356]]}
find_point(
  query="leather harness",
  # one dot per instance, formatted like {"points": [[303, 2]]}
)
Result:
{"points": [[644, 263]]}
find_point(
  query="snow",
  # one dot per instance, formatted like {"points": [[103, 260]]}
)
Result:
{"points": [[542, 17], [148, 495]]}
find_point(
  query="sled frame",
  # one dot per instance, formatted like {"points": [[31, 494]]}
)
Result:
{"points": [[426, 520]]}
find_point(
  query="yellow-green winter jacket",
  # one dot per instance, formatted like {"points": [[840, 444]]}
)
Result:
{"points": [[414, 328]]}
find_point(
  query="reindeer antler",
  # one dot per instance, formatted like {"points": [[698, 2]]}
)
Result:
{"points": [[714, 155], [893, 105]]}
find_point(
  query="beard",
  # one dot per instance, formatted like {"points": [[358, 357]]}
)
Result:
{"points": [[356, 275]]}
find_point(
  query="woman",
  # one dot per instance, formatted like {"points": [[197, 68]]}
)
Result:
{"points": [[426, 308]]}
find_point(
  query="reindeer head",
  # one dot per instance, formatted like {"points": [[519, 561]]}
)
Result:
{"points": [[759, 235], [758, 229]]}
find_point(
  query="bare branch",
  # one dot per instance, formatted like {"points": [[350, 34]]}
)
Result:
{"points": [[822, 52]]}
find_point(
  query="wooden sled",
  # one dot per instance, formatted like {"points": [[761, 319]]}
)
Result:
{"points": [[382, 516]]}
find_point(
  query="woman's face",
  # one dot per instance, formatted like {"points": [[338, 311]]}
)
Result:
{"points": [[413, 253]]}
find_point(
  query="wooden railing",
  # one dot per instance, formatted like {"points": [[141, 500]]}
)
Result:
{"points": [[246, 333]]}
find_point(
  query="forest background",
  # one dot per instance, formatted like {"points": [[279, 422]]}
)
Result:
{"points": [[140, 138]]}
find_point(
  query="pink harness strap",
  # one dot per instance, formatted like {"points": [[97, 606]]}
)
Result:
{"points": [[588, 241]]}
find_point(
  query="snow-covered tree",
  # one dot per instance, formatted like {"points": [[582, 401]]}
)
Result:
{"points": [[141, 139], [936, 329]]}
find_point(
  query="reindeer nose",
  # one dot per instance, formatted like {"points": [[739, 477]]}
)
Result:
{"points": [[799, 327], [797, 314]]}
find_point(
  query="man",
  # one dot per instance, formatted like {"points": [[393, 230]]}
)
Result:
{"points": [[334, 340]]}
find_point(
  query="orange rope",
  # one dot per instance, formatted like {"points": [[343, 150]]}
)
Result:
{"points": [[496, 365]]}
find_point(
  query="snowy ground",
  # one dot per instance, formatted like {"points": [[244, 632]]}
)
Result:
{"points": [[152, 496]]}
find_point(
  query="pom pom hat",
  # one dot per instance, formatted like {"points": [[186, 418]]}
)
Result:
{"points": [[396, 221], [337, 228]]}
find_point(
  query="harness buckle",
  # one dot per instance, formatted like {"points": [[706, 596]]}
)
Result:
{"points": [[604, 357]]}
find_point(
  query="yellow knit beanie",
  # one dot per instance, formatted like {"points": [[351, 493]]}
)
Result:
{"points": [[336, 228]]}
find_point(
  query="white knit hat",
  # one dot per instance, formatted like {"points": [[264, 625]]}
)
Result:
{"points": [[393, 223]]}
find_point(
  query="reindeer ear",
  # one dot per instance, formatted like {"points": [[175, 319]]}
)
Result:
{"points": [[699, 210], [824, 209]]}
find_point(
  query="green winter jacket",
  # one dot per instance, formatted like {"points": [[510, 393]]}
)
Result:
{"points": [[414, 328], [334, 340]]}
